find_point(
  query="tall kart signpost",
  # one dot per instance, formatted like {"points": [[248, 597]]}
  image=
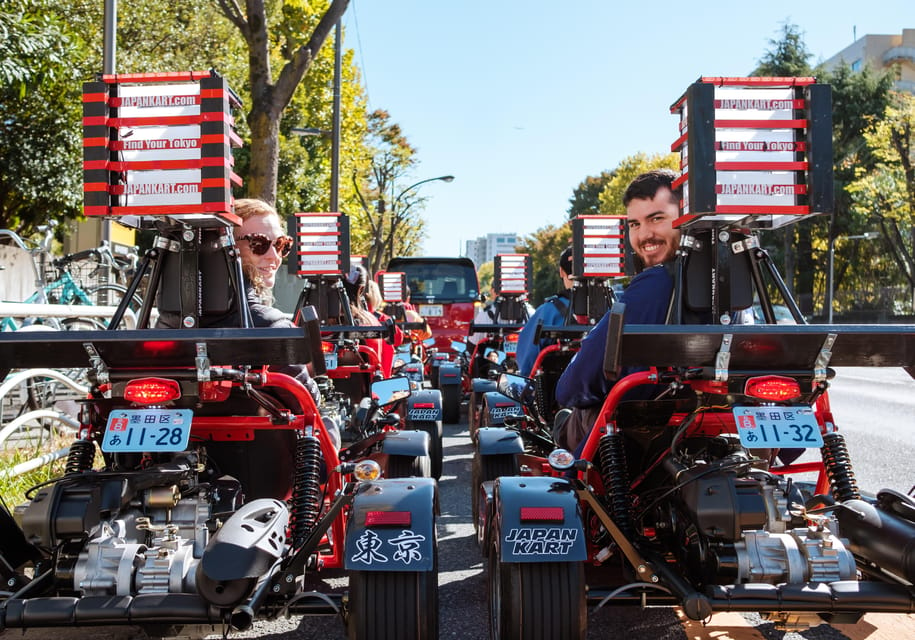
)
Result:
{"points": [[157, 153], [755, 153]]}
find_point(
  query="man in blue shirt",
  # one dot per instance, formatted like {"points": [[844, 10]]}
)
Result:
{"points": [[551, 313], [652, 205]]}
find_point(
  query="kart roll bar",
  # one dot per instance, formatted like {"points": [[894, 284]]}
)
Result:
{"points": [[163, 348], [722, 348]]}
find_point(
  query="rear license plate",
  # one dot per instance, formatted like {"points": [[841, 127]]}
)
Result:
{"points": [[510, 345], [430, 310], [764, 427], [147, 430], [330, 360]]}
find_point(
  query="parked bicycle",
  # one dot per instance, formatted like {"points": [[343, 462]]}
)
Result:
{"points": [[90, 277]]}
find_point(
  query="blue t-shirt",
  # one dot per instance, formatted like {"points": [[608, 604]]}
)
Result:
{"points": [[549, 314], [647, 298]]}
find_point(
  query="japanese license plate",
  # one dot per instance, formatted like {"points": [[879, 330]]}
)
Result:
{"points": [[330, 360], [147, 430], [430, 310], [510, 345], [764, 427]]}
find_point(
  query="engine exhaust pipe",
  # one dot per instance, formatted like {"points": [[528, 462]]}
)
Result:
{"points": [[879, 536]]}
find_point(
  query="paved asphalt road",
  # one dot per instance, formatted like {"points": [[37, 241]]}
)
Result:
{"points": [[884, 453]]}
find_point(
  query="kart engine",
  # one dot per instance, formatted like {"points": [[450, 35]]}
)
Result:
{"points": [[147, 530], [735, 523]]}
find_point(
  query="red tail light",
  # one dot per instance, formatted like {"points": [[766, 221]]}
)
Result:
{"points": [[152, 390], [774, 388], [390, 518], [327, 347], [542, 514]]}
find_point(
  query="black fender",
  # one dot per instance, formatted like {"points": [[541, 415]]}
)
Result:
{"points": [[424, 406], [538, 519], [497, 406], [250, 542], [406, 443], [392, 526], [482, 385], [449, 373], [498, 440]]}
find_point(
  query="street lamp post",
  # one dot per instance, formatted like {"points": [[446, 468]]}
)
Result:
{"points": [[830, 284], [395, 200], [408, 189]]}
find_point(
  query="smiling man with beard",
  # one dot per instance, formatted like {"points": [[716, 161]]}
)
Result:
{"points": [[652, 205]]}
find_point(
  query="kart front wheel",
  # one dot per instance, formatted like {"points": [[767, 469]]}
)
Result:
{"points": [[451, 403], [535, 600], [393, 605], [434, 429], [408, 467], [483, 469]]}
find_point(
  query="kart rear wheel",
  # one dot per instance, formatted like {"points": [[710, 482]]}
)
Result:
{"points": [[408, 467], [451, 403], [434, 429], [390, 605], [482, 469], [535, 600]]}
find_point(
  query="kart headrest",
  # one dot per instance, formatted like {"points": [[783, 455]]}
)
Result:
{"points": [[730, 273], [212, 284]]}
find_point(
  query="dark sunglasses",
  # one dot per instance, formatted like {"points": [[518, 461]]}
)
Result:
{"points": [[260, 244]]}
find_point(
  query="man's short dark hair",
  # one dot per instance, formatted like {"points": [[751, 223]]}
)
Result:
{"points": [[565, 260], [645, 186]]}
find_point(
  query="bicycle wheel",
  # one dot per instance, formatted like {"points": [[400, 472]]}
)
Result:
{"points": [[111, 295]]}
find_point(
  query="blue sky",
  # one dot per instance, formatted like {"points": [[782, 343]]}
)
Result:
{"points": [[520, 101]]}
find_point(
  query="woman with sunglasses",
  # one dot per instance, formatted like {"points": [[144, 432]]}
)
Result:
{"points": [[262, 245]]}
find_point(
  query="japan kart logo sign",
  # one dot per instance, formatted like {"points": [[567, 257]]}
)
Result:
{"points": [[541, 541], [370, 548]]}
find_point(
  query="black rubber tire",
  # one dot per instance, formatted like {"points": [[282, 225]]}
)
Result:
{"points": [[451, 403], [436, 451], [474, 407], [482, 469], [393, 605], [112, 294], [535, 600], [408, 467]]}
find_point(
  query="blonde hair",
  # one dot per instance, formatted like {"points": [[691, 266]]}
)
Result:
{"points": [[247, 208], [373, 295]]}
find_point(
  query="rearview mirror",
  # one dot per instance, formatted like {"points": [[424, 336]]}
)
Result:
{"points": [[518, 388], [458, 347], [385, 392]]}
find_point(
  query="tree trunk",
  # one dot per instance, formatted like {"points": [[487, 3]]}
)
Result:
{"points": [[264, 167]]}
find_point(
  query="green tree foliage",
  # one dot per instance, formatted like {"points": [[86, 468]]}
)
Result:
{"points": [[886, 195], [388, 211], [486, 275], [295, 29], [585, 200], [40, 141], [611, 198], [788, 56], [858, 98], [544, 246]]}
